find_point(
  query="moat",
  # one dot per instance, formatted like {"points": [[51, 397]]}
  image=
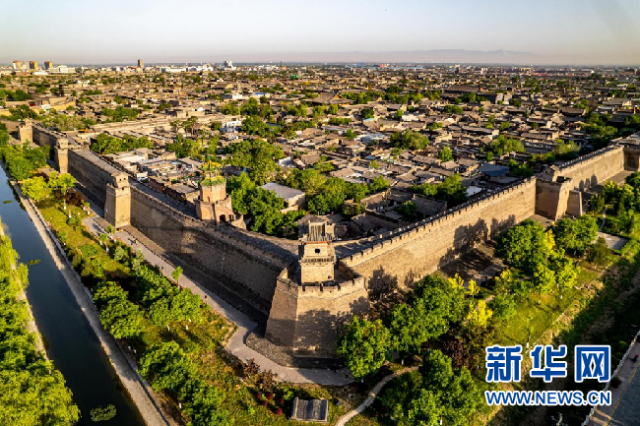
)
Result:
{"points": [[69, 340]]}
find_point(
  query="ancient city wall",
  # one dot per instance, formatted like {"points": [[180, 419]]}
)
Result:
{"points": [[586, 171], [45, 137], [92, 173], [250, 267], [413, 253]]}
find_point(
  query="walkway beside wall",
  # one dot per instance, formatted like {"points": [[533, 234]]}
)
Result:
{"points": [[236, 344]]}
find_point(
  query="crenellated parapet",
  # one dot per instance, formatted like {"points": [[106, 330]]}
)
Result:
{"points": [[309, 288], [588, 170], [384, 242]]}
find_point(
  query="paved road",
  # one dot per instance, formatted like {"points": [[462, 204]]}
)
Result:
{"points": [[236, 344], [627, 411], [625, 404], [372, 395]]}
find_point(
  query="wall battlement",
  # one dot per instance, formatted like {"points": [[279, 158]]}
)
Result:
{"points": [[580, 161], [389, 241], [257, 268]]}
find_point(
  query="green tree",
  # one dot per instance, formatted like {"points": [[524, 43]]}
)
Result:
{"points": [[20, 168], [446, 154], [123, 318], [504, 306], [230, 109], [479, 314], [409, 140], [409, 210], [258, 156], [503, 145], [436, 392], [599, 253], [167, 367], [566, 272], [254, 125], [120, 253], [177, 272], [378, 184], [364, 346], [522, 246], [366, 113], [544, 279], [432, 307], [36, 188], [453, 109], [576, 235], [350, 134]]}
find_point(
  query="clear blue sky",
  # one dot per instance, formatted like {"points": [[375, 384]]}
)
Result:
{"points": [[93, 31]]}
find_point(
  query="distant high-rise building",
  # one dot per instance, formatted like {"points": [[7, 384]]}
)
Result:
{"points": [[140, 63], [17, 65], [48, 65], [33, 65]]}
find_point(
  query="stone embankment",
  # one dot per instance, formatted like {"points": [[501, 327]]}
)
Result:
{"points": [[139, 390]]}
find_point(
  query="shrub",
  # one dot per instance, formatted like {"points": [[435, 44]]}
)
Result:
{"points": [[101, 414]]}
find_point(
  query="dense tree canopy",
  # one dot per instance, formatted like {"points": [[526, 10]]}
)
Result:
{"points": [[258, 156], [576, 235], [450, 190], [106, 144], [503, 145], [409, 140], [120, 113], [364, 346], [20, 160], [169, 368], [122, 317], [436, 391], [32, 391], [432, 307]]}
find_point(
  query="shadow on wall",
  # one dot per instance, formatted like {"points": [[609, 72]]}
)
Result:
{"points": [[383, 292], [318, 330], [314, 329], [381, 284], [588, 183], [497, 226], [467, 237]]}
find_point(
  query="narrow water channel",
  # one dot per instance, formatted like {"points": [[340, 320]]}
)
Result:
{"points": [[68, 337]]}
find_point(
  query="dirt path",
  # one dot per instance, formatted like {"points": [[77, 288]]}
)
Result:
{"points": [[372, 395]]}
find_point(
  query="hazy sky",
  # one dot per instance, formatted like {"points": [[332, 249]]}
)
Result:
{"points": [[92, 31]]}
